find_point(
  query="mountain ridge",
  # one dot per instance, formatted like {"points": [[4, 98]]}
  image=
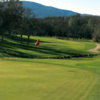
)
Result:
{"points": [[42, 11]]}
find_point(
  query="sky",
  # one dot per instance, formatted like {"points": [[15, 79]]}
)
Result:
{"points": [[80, 6]]}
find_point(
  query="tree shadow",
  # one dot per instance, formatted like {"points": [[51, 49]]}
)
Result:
{"points": [[12, 49]]}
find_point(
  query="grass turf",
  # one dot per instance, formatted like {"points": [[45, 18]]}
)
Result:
{"points": [[76, 79], [48, 79], [49, 47]]}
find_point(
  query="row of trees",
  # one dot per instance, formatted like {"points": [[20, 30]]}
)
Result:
{"points": [[16, 19], [76, 26]]}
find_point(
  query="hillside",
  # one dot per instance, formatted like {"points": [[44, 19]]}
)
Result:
{"points": [[49, 47], [42, 11]]}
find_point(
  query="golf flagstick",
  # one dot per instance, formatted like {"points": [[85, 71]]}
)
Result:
{"points": [[37, 44]]}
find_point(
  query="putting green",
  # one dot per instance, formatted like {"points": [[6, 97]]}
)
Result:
{"points": [[35, 81]]}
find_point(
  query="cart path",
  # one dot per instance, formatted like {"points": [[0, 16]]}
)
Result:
{"points": [[95, 49]]}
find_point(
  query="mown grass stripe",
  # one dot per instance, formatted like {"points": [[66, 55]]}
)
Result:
{"points": [[64, 89], [59, 89], [74, 90], [89, 88], [81, 91]]}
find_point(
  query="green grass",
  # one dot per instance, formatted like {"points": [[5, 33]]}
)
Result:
{"points": [[48, 79], [49, 47], [35, 79]]}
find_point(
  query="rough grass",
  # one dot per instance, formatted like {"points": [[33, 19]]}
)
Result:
{"points": [[27, 79], [49, 47]]}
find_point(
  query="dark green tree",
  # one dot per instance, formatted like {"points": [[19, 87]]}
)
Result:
{"points": [[96, 34]]}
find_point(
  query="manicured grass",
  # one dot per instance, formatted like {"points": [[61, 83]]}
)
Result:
{"points": [[49, 79], [49, 47]]}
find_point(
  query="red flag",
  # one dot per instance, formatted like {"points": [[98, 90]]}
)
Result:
{"points": [[37, 43]]}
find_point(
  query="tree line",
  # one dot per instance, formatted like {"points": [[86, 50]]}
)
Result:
{"points": [[76, 27], [15, 19], [18, 20]]}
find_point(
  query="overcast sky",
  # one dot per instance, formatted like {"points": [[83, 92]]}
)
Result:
{"points": [[81, 6]]}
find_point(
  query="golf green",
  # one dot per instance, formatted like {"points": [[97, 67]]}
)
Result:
{"points": [[24, 79]]}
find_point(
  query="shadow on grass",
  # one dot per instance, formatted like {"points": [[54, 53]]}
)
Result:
{"points": [[24, 39], [11, 49]]}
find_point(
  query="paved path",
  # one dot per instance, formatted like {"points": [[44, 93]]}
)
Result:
{"points": [[95, 49]]}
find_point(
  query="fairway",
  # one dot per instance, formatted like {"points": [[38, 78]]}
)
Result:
{"points": [[24, 79], [48, 79], [49, 47]]}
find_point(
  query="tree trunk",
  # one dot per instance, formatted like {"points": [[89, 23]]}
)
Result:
{"points": [[2, 37], [28, 38], [10, 35], [21, 38]]}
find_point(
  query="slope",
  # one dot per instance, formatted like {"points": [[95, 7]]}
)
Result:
{"points": [[49, 47], [42, 11]]}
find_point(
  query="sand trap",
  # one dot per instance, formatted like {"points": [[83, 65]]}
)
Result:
{"points": [[95, 49]]}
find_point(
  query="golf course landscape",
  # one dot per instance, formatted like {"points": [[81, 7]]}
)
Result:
{"points": [[49, 50], [23, 76]]}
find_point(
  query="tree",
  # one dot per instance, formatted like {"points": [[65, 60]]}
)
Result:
{"points": [[14, 12], [96, 34], [74, 25], [1, 20]]}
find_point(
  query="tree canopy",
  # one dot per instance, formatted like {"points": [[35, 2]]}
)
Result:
{"points": [[16, 19]]}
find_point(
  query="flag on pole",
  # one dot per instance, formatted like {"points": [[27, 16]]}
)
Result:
{"points": [[37, 43]]}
